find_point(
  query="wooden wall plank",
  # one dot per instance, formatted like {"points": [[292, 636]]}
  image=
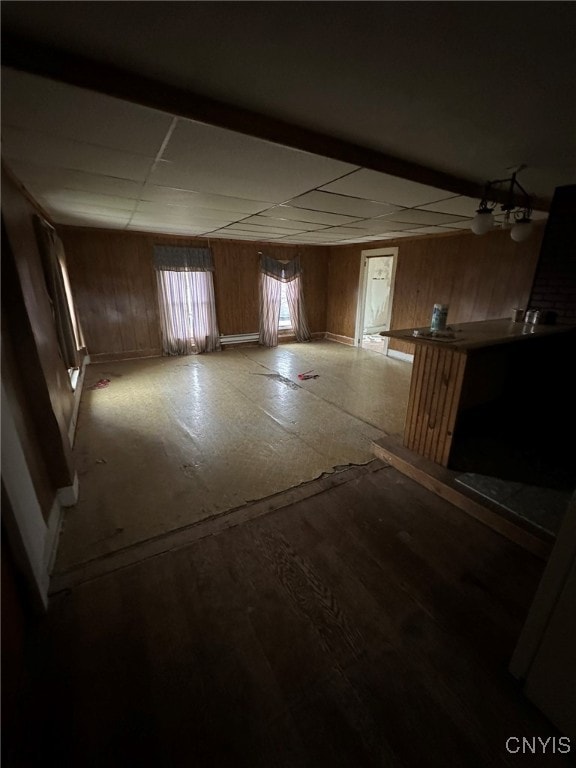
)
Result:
{"points": [[114, 285], [478, 277], [343, 280]]}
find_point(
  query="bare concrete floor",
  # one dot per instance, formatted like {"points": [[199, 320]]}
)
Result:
{"points": [[172, 441]]}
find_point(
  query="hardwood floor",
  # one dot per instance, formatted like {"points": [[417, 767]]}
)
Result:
{"points": [[368, 625]]}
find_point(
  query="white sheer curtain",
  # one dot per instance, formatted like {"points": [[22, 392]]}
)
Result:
{"points": [[295, 296], [186, 298], [272, 274], [270, 289]]}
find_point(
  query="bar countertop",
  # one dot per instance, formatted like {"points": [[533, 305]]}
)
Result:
{"points": [[463, 337]]}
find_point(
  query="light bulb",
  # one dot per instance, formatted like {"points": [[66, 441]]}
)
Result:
{"points": [[483, 222], [521, 231]]}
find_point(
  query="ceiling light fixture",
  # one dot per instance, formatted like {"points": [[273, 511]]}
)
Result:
{"points": [[516, 217]]}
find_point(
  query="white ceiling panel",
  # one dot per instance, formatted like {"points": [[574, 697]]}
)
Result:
{"points": [[344, 232], [350, 206], [165, 228], [459, 205], [88, 210], [413, 216], [457, 224], [158, 211], [312, 237], [79, 219], [304, 226], [430, 230], [62, 110], [71, 198], [381, 187], [380, 225], [242, 226], [192, 224], [239, 234], [174, 196], [45, 149], [242, 234], [203, 158], [300, 214], [46, 178]]}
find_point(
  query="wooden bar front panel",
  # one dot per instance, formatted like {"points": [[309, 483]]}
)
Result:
{"points": [[435, 389]]}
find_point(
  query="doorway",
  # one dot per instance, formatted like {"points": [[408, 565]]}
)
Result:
{"points": [[375, 295]]}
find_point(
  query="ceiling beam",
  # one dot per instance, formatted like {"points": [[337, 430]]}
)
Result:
{"points": [[37, 58]]}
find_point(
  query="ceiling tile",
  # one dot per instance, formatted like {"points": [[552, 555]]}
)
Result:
{"points": [[262, 230], [43, 149], [68, 112], [239, 235], [204, 158], [381, 187], [80, 219], [305, 226], [395, 235], [344, 232], [459, 205], [457, 224], [299, 214], [165, 228], [429, 230], [192, 224], [60, 199], [174, 196], [412, 216], [380, 225], [172, 212], [311, 237], [88, 209], [350, 206], [45, 178]]}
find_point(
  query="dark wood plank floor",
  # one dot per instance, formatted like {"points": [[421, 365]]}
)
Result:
{"points": [[370, 625]]}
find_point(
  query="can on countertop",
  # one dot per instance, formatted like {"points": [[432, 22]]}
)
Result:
{"points": [[439, 317], [518, 315]]}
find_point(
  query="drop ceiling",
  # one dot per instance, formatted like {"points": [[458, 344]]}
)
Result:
{"points": [[381, 76]]}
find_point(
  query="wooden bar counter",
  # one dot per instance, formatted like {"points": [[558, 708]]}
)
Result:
{"points": [[475, 365]]}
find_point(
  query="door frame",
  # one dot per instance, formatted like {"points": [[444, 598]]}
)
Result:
{"points": [[365, 255]]}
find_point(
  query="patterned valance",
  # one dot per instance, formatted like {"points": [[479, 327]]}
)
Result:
{"points": [[286, 271], [169, 258]]}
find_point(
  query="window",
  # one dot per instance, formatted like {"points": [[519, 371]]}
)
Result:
{"points": [[284, 322]]}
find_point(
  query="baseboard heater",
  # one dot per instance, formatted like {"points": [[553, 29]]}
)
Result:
{"points": [[239, 338]]}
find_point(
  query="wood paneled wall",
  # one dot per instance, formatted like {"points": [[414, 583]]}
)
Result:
{"points": [[478, 277], [34, 374], [114, 289], [114, 286]]}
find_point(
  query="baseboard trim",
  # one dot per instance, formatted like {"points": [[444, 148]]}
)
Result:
{"points": [[400, 355], [339, 339], [112, 357], [55, 521]]}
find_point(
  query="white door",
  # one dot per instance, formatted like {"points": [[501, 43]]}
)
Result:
{"points": [[376, 291]]}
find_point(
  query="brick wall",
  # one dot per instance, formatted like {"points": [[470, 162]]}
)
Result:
{"points": [[554, 287]]}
